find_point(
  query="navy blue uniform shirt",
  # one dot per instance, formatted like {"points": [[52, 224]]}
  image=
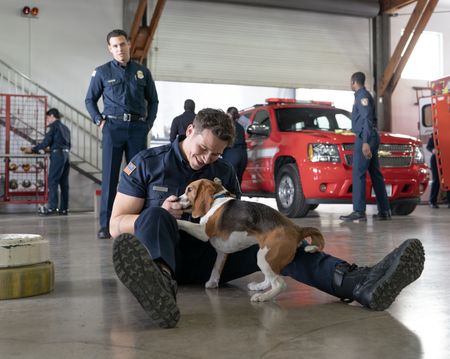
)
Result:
{"points": [[180, 124], [128, 89], [57, 137], [239, 140], [157, 173], [363, 114]]}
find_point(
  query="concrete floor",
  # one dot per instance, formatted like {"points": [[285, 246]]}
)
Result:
{"points": [[90, 314]]}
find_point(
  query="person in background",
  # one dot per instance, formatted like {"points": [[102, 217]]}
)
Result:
{"points": [[130, 104], [151, 255], [181, 122], [58, 139], [435, 185], [365, 155], [237, 154]]}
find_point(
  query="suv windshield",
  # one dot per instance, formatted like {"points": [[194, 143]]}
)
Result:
{"points": [[296, 119]]}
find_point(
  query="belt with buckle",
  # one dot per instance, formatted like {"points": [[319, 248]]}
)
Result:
{"points": [[60, 150], [127, 117]]}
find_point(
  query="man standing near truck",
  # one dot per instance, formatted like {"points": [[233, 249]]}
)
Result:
{"points": [[365, 155]]}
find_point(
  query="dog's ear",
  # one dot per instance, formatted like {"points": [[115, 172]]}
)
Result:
{"points": [[203, 199]]}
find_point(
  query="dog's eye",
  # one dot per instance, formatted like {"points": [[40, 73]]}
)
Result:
{"points": [[189, 189]]}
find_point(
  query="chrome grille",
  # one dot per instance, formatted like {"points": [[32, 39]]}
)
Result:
{"points": [[391, 161], [386, 160], [388, 147]]}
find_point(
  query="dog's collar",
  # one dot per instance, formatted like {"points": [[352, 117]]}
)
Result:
{"points": [[221, 194]]}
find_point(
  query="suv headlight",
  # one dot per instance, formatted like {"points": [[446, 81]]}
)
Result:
{"points": [[322, 152], [419, 156]]}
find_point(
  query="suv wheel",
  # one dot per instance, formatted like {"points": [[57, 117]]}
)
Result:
{"points": [[289, 193], [403, 209]]}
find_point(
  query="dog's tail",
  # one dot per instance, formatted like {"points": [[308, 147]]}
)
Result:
{"points": [[316, 236]]}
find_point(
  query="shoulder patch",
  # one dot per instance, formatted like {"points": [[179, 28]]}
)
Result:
{"points": [[365, 101], [93, 73], [140, 74], [129, 168]]}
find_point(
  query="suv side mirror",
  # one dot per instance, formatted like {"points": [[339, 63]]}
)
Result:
{"points": [[258, 130]]}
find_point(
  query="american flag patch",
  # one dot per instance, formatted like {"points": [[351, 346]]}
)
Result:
{"points": [[129, 168]]}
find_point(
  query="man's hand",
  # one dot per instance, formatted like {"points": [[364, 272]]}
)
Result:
{"points": [[366, 151], [102, 123], [173, 206], [26, 150]]}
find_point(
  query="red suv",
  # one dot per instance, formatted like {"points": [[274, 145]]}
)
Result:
{"points": [[301, 154]]}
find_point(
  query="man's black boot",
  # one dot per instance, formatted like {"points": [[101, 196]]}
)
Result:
{"points": [[377, 287], [383, 216], [152, 286], [354, 217]]}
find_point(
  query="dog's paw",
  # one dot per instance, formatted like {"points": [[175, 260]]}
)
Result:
{"points": [[211, 284], [311, 249], [260, 297], [258, 285]]}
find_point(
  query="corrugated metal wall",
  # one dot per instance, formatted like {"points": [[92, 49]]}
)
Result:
{"points": [[223, 43]]}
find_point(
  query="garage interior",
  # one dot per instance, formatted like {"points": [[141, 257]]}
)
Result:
{"points": [[90, 314]]}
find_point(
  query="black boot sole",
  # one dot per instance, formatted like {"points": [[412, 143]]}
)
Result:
{"points": [[139, 273], [405, 270]]}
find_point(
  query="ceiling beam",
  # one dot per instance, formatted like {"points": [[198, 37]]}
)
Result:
{"points": [[141, 35], [416, 24], [392, 6]]}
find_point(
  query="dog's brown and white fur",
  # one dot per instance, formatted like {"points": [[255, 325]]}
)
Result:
{"points": [[232, 225]]}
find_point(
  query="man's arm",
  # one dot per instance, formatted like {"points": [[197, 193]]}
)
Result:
{"points": [[94, 93], [152, 100], [46, 142], [125, 211]]}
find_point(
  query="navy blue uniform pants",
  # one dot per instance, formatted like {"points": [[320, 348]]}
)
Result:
{"points": [[192, 260], [360, 167], [58, 176], [119, 137]]}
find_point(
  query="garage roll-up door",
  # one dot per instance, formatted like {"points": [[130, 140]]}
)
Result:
{"points": [[234, 44]]}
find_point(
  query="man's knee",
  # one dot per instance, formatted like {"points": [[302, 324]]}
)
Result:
{"points": [[155, 218]]}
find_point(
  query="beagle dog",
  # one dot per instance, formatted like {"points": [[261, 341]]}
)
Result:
{"points": [[232, 225]]}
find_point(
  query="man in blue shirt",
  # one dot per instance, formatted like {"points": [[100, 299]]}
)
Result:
{"points": [[365, 155], [58, 139], [181, 122], [151, 255], [130, 104], [237, 154]]}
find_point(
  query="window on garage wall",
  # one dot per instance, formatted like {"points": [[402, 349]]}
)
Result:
{"points": [[426, 61]]}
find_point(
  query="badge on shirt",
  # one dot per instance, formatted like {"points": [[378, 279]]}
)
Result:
{"points": [[93, 73], [365, 101], [129, 168], [140, 75]]}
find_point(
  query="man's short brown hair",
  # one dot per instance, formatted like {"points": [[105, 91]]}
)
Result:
{"points": [[218, 122]]}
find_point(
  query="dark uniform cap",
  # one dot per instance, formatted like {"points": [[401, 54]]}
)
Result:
{"points": [[54, 112]]}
